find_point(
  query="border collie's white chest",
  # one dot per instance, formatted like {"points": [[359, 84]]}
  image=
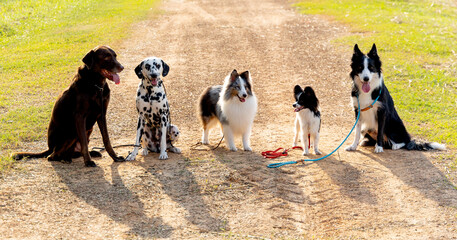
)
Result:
{"points": [[368, 118]]}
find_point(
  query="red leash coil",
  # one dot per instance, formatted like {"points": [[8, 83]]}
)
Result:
{"points": [[276, 153], [280, 152]]}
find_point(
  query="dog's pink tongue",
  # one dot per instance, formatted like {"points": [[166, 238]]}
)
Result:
{"points": [[366, 87], [116, 78], [296, 110]]}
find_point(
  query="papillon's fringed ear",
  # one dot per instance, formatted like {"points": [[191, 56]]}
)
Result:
{"points": [[166, 69], [309, 91], [89, 59], [233, 75], [297, 89], [138, 71], [357, 50], [373, 52]]}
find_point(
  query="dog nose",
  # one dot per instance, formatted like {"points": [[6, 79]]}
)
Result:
{"points": [[366, 79], [154, 75], [294, 105], [245, 95], [121, 68]]}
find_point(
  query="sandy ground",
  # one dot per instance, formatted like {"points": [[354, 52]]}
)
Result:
{"points": [[232, 195]]}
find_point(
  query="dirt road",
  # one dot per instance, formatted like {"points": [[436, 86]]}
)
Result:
{"points": [[225, 195]]}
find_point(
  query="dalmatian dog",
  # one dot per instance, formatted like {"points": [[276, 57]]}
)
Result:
{"points": [[152, 104], [152, 140]]}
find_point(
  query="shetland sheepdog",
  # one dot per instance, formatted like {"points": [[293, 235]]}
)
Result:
{"points": [[379, 122], [232, 105]]}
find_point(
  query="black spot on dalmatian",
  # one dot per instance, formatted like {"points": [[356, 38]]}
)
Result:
{"points": [[146, 134], [155, 98], [138, 94]]}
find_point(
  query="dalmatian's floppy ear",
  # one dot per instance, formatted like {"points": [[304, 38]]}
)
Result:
{"points": [[138, 70], [166, 69], [89, 59]]}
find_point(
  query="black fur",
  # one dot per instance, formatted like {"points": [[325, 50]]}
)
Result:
{"points": [[307, 98], [390, 125]]}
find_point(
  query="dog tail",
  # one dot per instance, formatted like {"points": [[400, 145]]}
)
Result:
{"points": [[425, 146], [21, 155]]}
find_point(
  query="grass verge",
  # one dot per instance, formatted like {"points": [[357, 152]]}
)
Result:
{"points": [[417, 42], [42, 43]]}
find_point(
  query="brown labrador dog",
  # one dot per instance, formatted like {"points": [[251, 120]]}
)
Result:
{"points": [[79, 107]]}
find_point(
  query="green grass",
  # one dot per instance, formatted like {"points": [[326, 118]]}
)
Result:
{"points": [[417, 43], [41, 46]]}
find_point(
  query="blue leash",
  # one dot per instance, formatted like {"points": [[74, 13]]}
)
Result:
{"points": [[276, 165]]}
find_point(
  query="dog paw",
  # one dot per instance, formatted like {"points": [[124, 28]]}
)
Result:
{"points": [[378, 149], [90, 163], [249, 149], [317, 152], [205, 142], [351, 148], [233, 149], [305, 153], [130, 157], [397, 146], [119, 159], [144, 152], [175, 150], [163, 156], [95, 154]]}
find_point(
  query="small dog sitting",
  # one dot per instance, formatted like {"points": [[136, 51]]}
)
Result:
{"points": [[379, 122], [308, 119], [152, 104], [152, 141], [233, 105]]}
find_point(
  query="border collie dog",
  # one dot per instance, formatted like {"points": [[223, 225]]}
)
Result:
{"points": [[233, 106], [379, 122]]}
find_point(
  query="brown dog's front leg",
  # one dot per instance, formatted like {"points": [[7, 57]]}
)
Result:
{"points": [[82, 137], [101, 121]]}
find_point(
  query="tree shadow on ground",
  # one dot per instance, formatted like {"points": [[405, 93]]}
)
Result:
{"points": [[114, 199]]}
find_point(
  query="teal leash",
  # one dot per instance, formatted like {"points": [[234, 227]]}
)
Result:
{"points": [[276, 165]]}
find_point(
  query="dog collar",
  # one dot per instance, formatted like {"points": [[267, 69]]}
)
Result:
{"points": [[371, 105], [98, 88]]}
